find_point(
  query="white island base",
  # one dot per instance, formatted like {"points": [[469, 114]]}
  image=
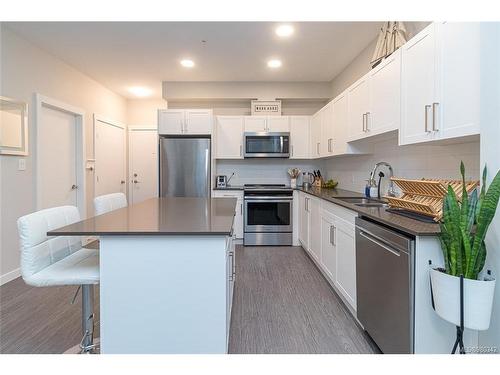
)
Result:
{"points": [[165, 294]]}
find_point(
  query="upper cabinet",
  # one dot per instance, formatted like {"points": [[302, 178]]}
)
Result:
{"points": [[440, 86], [358, 108], [185, 121], [327, 131], [385, 96], [267, 124], [229, 137], [340, 132], [315, 139], [299, 137]]}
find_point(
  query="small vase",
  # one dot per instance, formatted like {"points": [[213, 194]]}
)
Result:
{"points": [[478, 299], [293, 183]]}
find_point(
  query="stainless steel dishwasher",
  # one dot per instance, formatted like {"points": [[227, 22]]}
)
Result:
{"points": [[385, 286]]}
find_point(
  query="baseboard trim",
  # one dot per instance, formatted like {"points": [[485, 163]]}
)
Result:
{"points": [[9, 276]]}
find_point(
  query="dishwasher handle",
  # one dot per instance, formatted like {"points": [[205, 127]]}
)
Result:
{"points": [[381, 243]]}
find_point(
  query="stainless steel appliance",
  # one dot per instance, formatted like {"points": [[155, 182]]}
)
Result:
{"points": [[385, 285], [184, 166], [221, 181], [268, 215], [266, 145]]}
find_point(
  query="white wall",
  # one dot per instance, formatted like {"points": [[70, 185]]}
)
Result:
{"points": [[490, 140], [144, 112], [26, 69], [413, 161]]}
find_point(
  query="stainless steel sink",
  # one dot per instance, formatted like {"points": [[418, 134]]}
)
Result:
{"points": [[365, 202]]}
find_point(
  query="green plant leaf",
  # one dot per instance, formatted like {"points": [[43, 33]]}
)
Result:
{"points": [[451, 214], [472, 210], [464, 220], [487, 211]]}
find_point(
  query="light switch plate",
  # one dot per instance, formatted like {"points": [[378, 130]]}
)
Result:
{"points": [[21, 164]]}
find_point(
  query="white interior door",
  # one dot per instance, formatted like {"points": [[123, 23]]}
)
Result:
{"points": [[57, 180], [143, 164], [110, 161]]}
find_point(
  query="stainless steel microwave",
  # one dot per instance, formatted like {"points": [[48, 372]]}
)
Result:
{"points": [[266, 145]]}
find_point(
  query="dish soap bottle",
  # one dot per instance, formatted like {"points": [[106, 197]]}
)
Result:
{"points": [[367, 189], [373, 189]]}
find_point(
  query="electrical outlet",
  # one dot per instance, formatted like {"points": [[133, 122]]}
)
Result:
{"points": [[21, 164]]}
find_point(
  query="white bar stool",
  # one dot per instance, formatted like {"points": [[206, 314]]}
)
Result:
{"points": [[57, 261], [109, 202]]}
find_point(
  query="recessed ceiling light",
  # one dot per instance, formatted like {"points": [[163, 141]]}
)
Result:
{"points": [[274, 63], [140, 91], [284, 31], [186, 63]]}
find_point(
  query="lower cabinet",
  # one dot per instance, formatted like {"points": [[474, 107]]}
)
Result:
{"points": [[327, 232], [238, 218]]}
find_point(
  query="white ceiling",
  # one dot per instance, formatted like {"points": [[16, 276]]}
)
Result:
{"points": [[124, 54]]}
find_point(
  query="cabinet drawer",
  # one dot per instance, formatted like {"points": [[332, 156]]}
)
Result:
{"points": [[343, 213]]}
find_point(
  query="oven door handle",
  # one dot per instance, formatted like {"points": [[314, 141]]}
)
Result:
{"points": [[267, 199]]}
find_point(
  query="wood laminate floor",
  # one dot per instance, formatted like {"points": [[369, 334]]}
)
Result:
{"points": [[282, 304]]}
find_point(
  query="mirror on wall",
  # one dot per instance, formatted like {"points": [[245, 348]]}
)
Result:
{"points": [[13, 127]]}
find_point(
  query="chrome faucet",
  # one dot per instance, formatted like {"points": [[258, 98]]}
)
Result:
{"points": [[392, 191]]}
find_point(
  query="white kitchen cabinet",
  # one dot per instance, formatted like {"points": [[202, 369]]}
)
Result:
{"points": [[230, 279], [229, 137], [440, 89], [315, 135], [303, 220], [340, 125], [238, 218], [185, 121], [418, 87], [358, 107], [327, 131], [299, 137], [385, 96], [314, 228], [170, 121], [458, 96], [345, 245], [255, 124], [280, 124], [328, 250]]}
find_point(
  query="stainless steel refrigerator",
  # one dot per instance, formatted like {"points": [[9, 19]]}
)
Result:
{"points": [[185, 166]]}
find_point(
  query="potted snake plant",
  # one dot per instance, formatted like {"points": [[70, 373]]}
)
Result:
{"points": [[464, 225]]}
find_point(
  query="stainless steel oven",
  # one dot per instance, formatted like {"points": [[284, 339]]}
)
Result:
{"points": [[268, 215], [267, 145]]}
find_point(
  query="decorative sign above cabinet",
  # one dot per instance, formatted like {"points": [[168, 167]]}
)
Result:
{"points": [[271, 107]]}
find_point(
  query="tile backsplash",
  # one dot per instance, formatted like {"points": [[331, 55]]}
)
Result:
{"points": [[413, 161]]}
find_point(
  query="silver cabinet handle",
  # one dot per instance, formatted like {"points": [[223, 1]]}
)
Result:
{"points": [[307, 204], [332, 235], [367, 121], [317, 148], [241, 150], [241, 208], [434, 106], [364, 122], [291, 150], [425, 116], [231, 275]]}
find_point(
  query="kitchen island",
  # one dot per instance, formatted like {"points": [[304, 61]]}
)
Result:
{"points": [[166, 275]]}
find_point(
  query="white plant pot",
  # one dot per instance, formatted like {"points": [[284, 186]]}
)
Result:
{"points": [[478, 299]]}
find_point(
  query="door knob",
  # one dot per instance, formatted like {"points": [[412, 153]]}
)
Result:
{"points": [[135, 174], [122, 182], [74, 187], [135, 182]]}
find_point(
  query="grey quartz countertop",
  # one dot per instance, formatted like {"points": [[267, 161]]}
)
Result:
{"points": [[160, 216], [230, 187], [379, 214]]}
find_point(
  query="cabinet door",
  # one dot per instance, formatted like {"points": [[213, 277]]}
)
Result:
{"points": [[143, 164], [358, 106], [238, 219], [198, 121], [456, 110], [299, 137], [328, 250], [346, 260], [418, 76], [315, 135], [255, 124], [229, 137], [170, 121], [385, 96], [327, 131], [303, 221], [340, 127], [315, 228], [278, 124]]}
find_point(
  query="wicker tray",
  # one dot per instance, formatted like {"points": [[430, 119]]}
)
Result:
{"points": [[426, 196]]}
